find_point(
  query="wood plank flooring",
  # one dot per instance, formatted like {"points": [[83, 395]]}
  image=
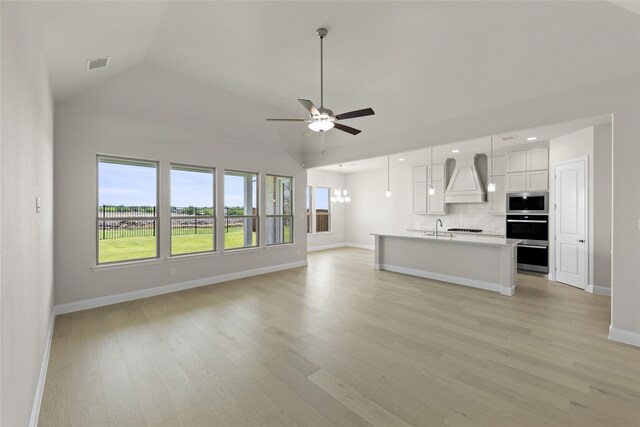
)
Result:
{"points": [[341, 344]]}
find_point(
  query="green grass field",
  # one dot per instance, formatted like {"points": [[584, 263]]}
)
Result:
{"points": [[129, 248]]}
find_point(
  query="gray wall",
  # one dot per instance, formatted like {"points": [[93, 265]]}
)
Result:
{"points": [[602, 190], [26, 237], [91, 122]]}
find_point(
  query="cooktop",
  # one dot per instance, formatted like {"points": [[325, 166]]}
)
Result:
{"points": [[466, 230]]}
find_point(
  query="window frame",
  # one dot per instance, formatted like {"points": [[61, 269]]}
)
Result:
{"points": [[156, 217], [309, 197], [214, 236], [257, 216], [329, 213], [291, 215]]}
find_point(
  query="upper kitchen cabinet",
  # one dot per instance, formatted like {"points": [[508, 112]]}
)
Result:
{"points": [[419, 173], [499, 165], [421, 201], [497, 199], [538, 159], [528, 170], [517, 161], [437, 172]]}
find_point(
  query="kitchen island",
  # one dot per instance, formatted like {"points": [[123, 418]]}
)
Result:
{"points": [[480, 262]]}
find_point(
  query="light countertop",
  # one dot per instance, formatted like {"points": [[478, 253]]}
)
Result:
{"points": [[430, 230], [462, 238]]}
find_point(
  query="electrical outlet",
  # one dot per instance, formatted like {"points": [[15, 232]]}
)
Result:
{"points": [[172, 271]]}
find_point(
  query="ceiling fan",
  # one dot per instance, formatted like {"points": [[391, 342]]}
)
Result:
{"points": [[322, 119]]}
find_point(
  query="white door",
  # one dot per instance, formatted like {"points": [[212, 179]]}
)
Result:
{"points": [[571, 224]]}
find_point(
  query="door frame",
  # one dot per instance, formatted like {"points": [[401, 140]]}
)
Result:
{"points": [[552, 215]]}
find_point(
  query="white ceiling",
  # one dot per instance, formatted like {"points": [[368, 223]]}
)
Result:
{"points": [[414, 63], [471, 146]]}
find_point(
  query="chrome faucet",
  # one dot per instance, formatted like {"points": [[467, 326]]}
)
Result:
{"points": [[438, 221]]}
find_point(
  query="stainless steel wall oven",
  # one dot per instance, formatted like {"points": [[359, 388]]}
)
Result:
{"points": [[533, 251]]}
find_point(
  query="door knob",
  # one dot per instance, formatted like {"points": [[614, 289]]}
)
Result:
{"points": [[580, 240]]}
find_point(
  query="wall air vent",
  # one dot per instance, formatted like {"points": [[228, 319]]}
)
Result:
{"points": [[92, 64], [509, 138]]}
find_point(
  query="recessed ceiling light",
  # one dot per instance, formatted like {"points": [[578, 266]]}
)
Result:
{"points": [[532, 138], [455, 151], [401, 159]]}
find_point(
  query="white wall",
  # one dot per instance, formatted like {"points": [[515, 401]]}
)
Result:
{"points": [[371, 211], [26, 237], [582, 144], [337, 235], [602, 188], [90, 123]]}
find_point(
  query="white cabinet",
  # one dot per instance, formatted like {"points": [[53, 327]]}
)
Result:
{"points": [[497, 199], [419, 173], [422, 202], [437, 172], [498, 165], [527, 181], [419, 197], [528, 170], [436, 202], [538, 180], [516, 181], [537, 159], [516, 161]]}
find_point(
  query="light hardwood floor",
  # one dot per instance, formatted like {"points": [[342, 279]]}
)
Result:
{"points": [[339, 343]]}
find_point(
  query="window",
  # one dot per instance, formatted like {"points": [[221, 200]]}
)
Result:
{"points": [[127, 211], [323, 212], [308, 209], [240, 209], [279, 210], [193, 220]]}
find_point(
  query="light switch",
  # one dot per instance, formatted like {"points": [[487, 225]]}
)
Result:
{"points": [[37, 204]]}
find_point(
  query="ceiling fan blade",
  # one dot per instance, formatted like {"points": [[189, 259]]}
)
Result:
{"points": [[348, 129], [354, 114], [286, 120], [309, 106]]}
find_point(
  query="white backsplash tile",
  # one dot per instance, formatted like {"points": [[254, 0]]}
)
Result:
{"points": [[465, 215]]}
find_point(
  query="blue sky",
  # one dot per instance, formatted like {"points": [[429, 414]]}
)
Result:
{"points": [[322, 198], [136, 186]]}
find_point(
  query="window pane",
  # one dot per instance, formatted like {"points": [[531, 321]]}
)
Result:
{"points": [[127, 210], [192, 200], [279, 209], [323, 222], [241, 209], [279, 230]]}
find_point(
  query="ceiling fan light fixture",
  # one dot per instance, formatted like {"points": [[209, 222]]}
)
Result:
{"points": [[320, 125]]}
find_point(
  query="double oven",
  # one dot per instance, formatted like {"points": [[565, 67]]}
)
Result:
{"points": [[528, 220]]}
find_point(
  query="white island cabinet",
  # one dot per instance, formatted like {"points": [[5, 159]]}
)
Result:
{"points": [[480, 262]]}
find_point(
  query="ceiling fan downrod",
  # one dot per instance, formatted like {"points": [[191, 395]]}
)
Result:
{"points": [[322, 33]]}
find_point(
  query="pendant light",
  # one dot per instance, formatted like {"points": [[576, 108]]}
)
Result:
{"points": [[388, 193], [491, 188], [432, 190], [340, 195]]}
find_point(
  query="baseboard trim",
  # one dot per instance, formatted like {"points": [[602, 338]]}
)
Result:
{"points": [[626, 337], [150, 292], [37, 400], [325, 247], [360, 246], [341, 245], [478, 284], [599, 290]]}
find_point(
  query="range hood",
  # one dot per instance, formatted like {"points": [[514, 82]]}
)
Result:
{"points": [[465, 185]]}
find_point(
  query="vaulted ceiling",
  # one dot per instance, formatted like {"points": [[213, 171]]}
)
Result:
{"points": [[412, 62]]}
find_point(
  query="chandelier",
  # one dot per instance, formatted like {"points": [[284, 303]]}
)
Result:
{"points": [[340, 195]]}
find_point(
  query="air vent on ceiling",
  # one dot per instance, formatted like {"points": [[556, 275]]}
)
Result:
{"points": [[509, 138], [92, 64]]}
